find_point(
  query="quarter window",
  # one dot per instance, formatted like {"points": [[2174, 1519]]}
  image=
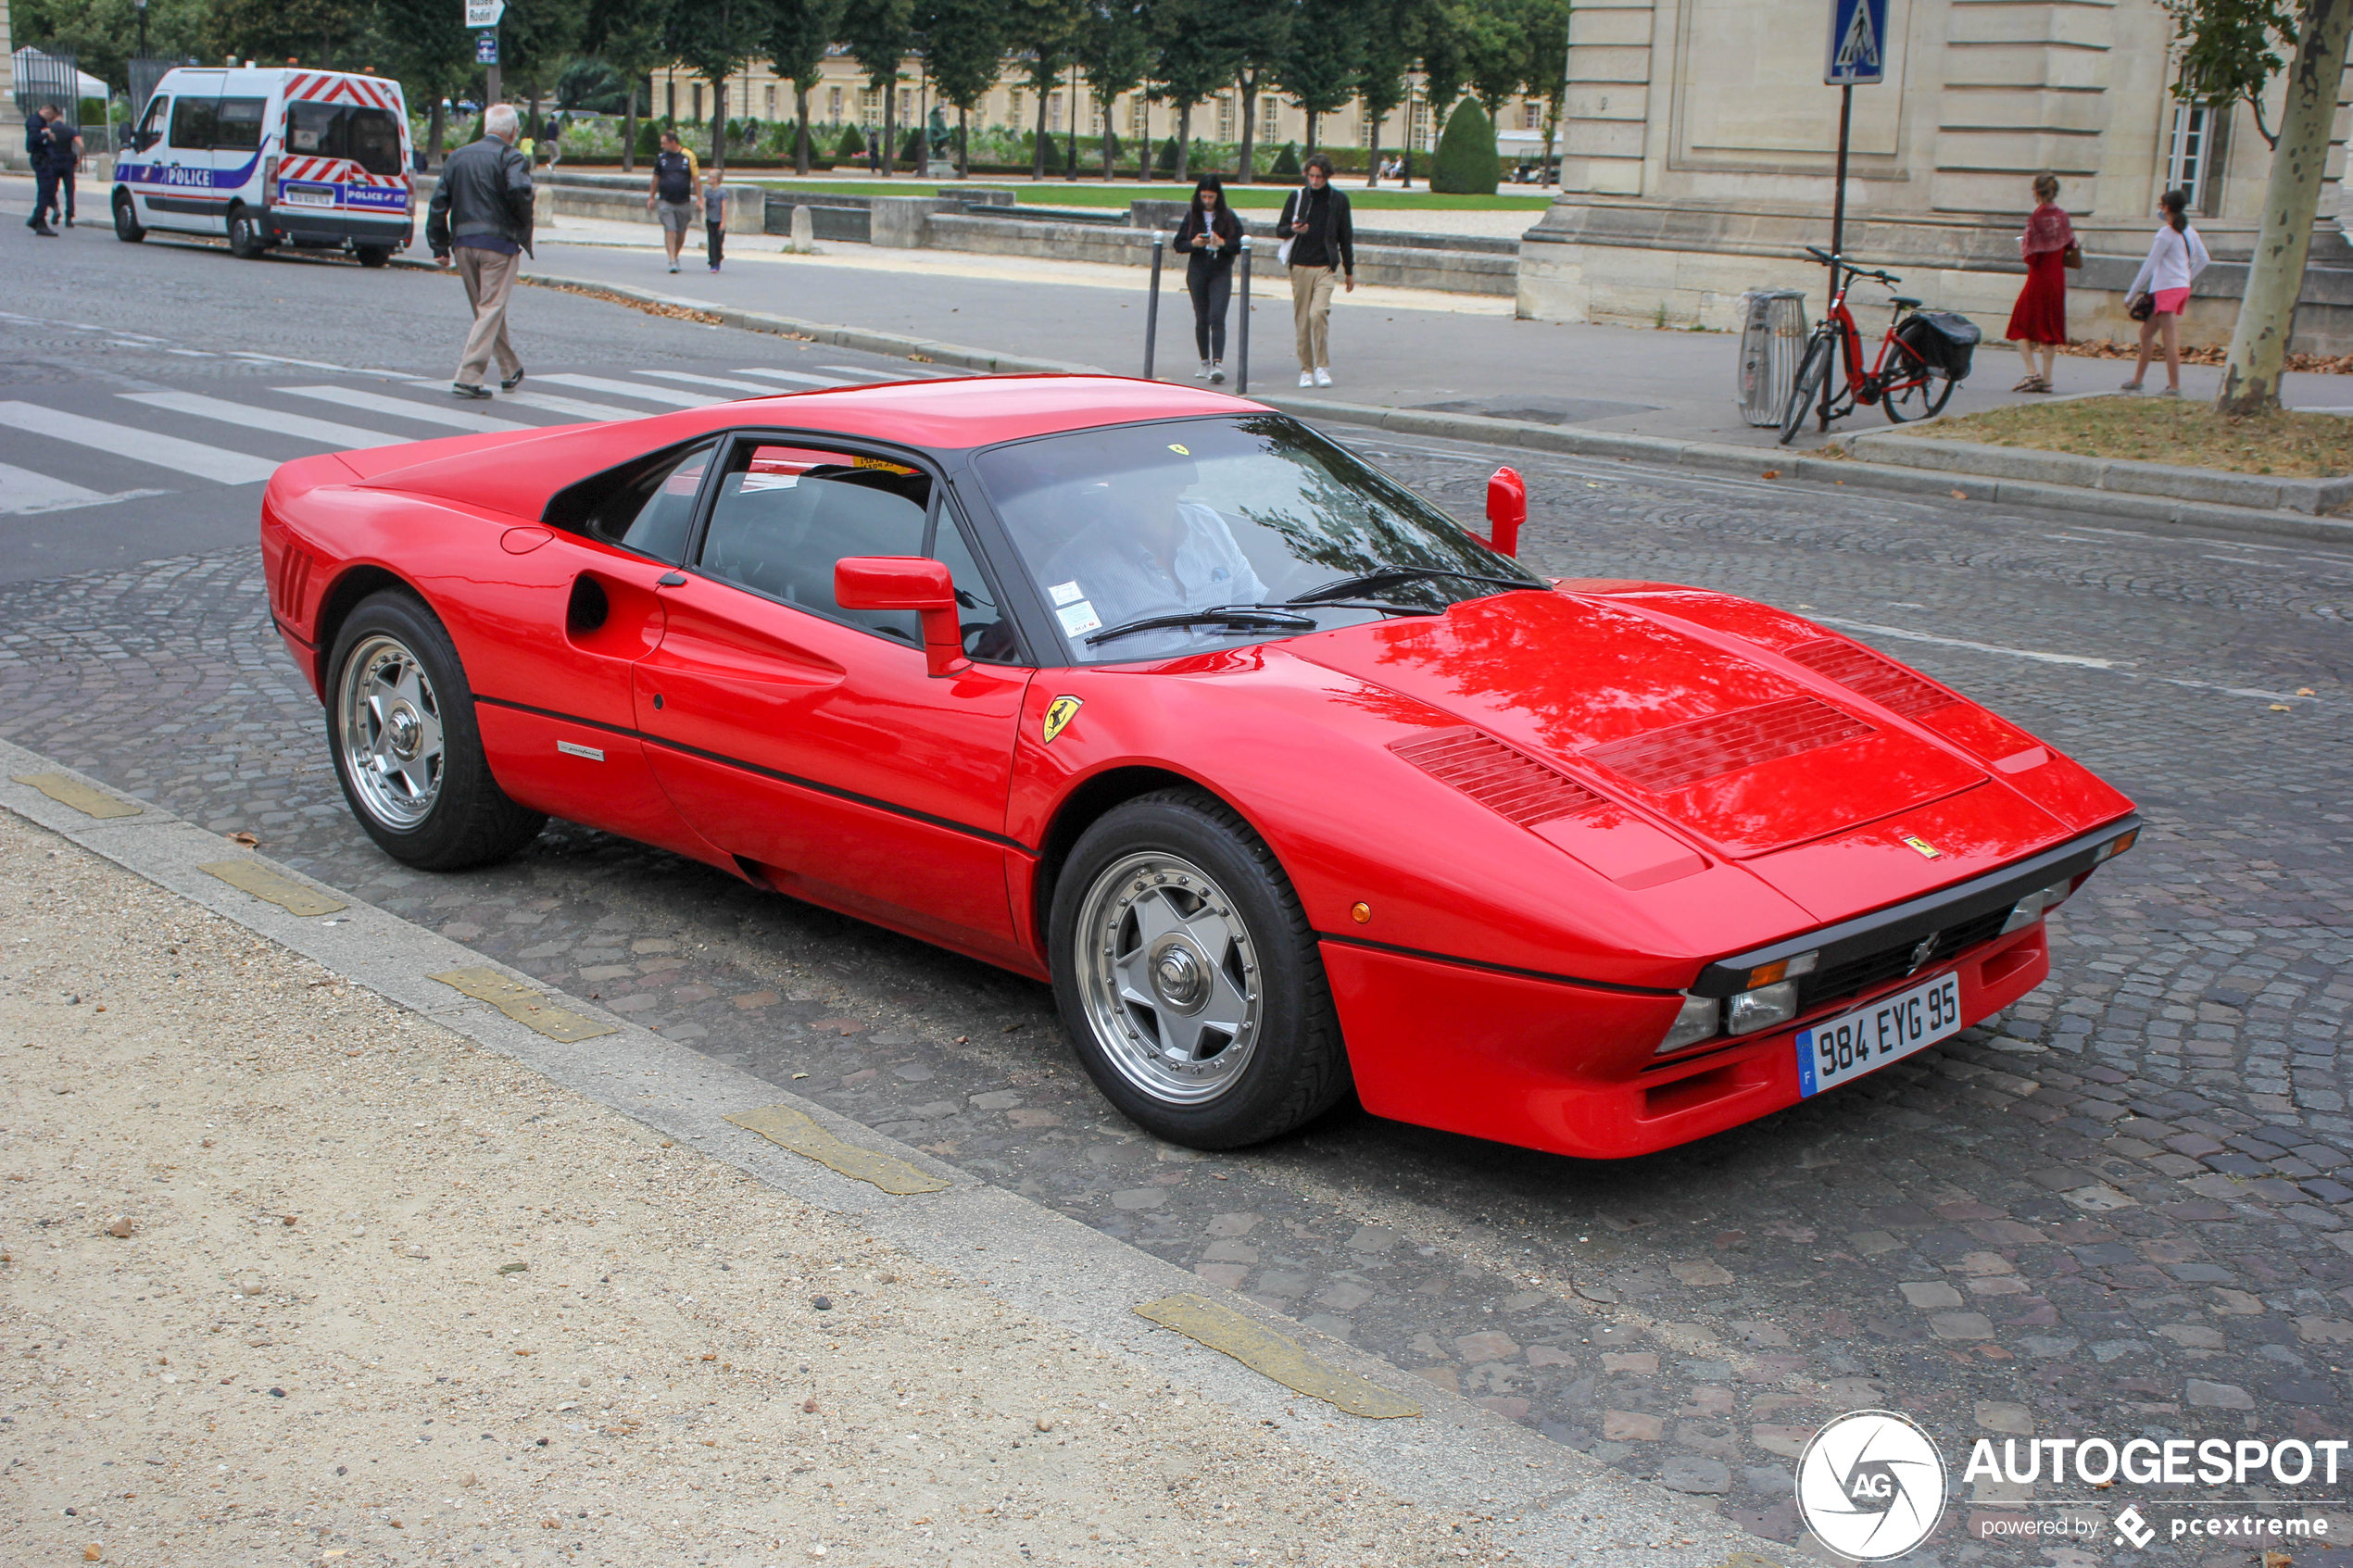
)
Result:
{"points": [[238, 128], [648, 506]]}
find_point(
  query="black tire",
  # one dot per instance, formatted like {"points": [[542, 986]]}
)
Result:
{"points": [[373, 255], [246, 242], [1922, 396], [465, 818], [1812, 371], [1293, 1066], [125, 219]]}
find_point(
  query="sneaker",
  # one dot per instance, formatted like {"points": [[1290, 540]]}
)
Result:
{"points": [[673, 267], [45, 231], [1201, 374], [2169, 392], [1323, 375], [714, 267], [511, 383], [2129, 386], [1217, 372], [1307, 378], [459, 389]]}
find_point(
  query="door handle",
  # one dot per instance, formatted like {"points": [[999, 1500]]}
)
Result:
{"points": [[671, 580]]}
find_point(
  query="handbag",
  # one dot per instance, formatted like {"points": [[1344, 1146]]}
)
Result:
{"points": [[1282, 252], [2073, 259], [2142, 307]]}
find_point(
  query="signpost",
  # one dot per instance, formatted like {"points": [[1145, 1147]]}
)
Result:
{"points": [[484, 15], [1857, 57]]}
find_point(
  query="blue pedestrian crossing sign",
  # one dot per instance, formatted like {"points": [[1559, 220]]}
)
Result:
{"points": [[1858, 44]]}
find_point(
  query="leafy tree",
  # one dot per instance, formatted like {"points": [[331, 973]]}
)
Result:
{"points": [[1441, 29], [314, 32], [1547, 49], [536, 38], [964, 43], [1493, 40], [799, 32], [878, 34], [714, 38], [1195, 61], [1254, 36], [1322, 58], [430, 49], [1390, 31], [1047, 31], [1114, 47], [102, 34], [2230, 51], [628, 35], [1466, 164]]}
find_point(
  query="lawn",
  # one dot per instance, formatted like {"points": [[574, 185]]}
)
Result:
{"points": [[2155, 430], [1062, 193]]}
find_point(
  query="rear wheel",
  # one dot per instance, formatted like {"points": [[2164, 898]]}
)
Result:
{"points": [[245, 236], [1189, 978], [1812, 371], [400, 724], [373, 256], [125, 219], [1916, 394]]}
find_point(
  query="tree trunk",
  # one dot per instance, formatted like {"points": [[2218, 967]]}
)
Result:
{"points": [[1038, 165], [1250, 131], [1184, 142], [437, 126], [1312, 118], [719, 123], [1111, 139], [800, 136], [2275, 274], [629, 132], [890, 126], [963, 142]]}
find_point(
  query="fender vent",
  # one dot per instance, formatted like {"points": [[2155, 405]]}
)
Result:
{"points": [[1867, 675], [294, 580], [1665, 761], [1504, 781]]}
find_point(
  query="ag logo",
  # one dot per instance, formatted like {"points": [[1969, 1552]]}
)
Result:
{"points": [[1059, 714], [1871, 1485]]}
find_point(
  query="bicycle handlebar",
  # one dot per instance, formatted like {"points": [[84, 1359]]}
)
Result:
{"points": [[1849, 268]]}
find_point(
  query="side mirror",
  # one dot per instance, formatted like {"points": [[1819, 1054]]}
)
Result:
{"points": [[1507, 509], [915, 583]]}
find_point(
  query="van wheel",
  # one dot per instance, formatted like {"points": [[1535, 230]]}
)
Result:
{"points": [[245, 236], [373, 256], [125, 219]]}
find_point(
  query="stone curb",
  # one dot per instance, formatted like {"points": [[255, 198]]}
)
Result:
{"points": [[1455, 1455], [2169, 480]]}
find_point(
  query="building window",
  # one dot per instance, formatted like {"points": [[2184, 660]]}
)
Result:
{"points": [[906, 106], [1094, 117], [832, 105], [1418, 132], [2194, 154], [869, 107], [1054, 111], [1527, 115], [1363, 129], [1014, 115], [1225, 116], [772, 100], [1139, 117]]}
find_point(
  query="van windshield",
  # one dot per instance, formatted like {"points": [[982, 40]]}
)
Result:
{"points": [[369, 137]]}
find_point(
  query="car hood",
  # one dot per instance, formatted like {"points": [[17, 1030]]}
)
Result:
{"points": [[1746, 758]]}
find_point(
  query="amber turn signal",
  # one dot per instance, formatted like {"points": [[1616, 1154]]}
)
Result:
{"points": [[1361, 913], [1780, 970], [2117, 846]]}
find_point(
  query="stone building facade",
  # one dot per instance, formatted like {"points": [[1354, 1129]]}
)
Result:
{"points": [[1700, 149]]}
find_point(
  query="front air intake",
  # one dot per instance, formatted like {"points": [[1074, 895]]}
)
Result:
{"points": [[1507, 782]]}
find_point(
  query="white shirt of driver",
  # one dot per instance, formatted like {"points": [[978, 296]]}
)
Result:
{"points": [[1123, 582]]}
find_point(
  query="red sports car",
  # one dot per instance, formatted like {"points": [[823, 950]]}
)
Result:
{"points": [[1290, 784]]}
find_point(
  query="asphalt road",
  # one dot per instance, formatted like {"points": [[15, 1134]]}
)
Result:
{"points": [[2119, 1210]]}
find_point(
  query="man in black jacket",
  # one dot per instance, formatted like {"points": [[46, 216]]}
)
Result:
{"points": [[481, 215], [1323, 251], [40, 130]]}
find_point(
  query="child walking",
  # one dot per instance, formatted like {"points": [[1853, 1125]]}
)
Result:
{"points": [[715, 216]]}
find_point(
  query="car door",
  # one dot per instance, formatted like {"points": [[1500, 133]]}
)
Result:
{"points": [[808, 741], [550, 625], [142, 173], [183, 197]]}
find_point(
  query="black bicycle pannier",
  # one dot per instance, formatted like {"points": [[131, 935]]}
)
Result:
{"points": [[1945, 339]]}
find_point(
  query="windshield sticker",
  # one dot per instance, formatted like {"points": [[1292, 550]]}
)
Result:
{"points": [[1067, 593], [1078, 618]]}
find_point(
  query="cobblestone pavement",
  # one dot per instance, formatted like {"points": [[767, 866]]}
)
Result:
{"points": [[2121, 1209]]}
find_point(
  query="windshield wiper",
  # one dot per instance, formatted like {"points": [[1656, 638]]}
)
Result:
{"points": [[1404, 574], [1237, 616]]}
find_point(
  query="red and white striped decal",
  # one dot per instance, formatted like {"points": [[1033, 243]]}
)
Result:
{"points": [[326, 87]]}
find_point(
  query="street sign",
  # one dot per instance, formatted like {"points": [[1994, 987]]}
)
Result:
{"points": [[485, 48], [1858, 44], [484, 12]]}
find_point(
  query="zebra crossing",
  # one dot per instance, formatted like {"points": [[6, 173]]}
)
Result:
{"points": [[110, 446]]}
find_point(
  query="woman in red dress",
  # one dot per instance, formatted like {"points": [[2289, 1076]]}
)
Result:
{"points": [[2039, 317]]}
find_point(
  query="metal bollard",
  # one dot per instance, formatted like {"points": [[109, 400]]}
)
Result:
{"points": [[1151, 310], [1241, 364]]}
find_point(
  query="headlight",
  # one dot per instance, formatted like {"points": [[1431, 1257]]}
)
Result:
{"points": [[1695, 1022], [1761, 1009], [2034, 906]]}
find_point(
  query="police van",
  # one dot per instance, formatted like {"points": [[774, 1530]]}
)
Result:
{"points": [[269, 156]]}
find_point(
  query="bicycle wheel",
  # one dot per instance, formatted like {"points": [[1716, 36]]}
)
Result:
{"points": [[1811, 372], [1912, 392]]}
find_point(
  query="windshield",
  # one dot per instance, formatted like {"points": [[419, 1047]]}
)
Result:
{"points": [[1142, 522]]}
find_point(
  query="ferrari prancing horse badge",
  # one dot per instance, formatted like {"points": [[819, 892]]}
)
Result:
{"points": [[1059, 714]]}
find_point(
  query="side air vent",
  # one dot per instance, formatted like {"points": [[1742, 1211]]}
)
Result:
{"points": [[1504, 781], [1867, 675], [294, 580], [1665, 761]]}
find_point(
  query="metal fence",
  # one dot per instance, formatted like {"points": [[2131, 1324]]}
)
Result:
{"points": [[43, 77]]}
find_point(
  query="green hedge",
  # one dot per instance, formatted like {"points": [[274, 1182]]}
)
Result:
{"points": [[1466, 164]]}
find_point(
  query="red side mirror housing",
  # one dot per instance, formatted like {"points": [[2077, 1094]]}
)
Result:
{"points": [[1507, 509], [915, 583]]}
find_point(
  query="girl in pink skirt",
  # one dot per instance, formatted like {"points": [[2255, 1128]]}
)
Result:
{"points": [[2160, 291]]}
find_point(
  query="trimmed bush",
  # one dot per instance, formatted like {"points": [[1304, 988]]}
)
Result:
{"points": [[648, 138], [1167, 164], [911, 151], [1466, 164], [852, 144], [1286, 162]]}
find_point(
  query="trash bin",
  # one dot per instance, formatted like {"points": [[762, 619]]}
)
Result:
{"points": [[1772, 342]]}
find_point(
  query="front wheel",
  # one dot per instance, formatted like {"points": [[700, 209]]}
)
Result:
{"points": [[127, 227], [1916, 394], [1812, 371], [1189, 978], [400, 724], [245, 236]]}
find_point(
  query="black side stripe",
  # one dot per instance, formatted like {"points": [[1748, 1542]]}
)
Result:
{"points": [[1495, 968], [814, 786]]}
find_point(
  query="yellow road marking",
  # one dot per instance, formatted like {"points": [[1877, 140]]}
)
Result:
{"points": [[252, 876], [523, 1005], [792, 1129], [70, 791], [1265, 1351]]}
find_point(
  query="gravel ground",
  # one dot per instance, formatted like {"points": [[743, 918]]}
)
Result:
{"points": [[289, 1275]]}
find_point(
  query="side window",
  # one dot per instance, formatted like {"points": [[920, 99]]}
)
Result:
{"points": [[151, 125], [192, 124], [238, 128], [374, 138], [314, 128], [988, 631], [786, 514], [647, 506]]}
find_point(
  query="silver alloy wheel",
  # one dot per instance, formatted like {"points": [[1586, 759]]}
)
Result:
{"points": [[390, 722], [1168, 977]]}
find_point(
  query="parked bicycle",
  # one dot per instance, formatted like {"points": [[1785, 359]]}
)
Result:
{"points": [[1924, 357]]}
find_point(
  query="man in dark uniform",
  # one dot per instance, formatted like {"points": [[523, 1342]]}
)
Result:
{"points": [[65, 148], [40, 149]]}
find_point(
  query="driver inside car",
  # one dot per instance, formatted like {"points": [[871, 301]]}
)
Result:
{"points": [[1152, 553]]}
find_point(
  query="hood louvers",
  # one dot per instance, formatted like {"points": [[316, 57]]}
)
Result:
{"points": [[1507, 782], [1665, 761], [1875, 679]]}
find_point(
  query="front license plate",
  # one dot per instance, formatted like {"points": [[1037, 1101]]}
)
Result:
{"points": [[296, 195], [1868, 1038]]}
